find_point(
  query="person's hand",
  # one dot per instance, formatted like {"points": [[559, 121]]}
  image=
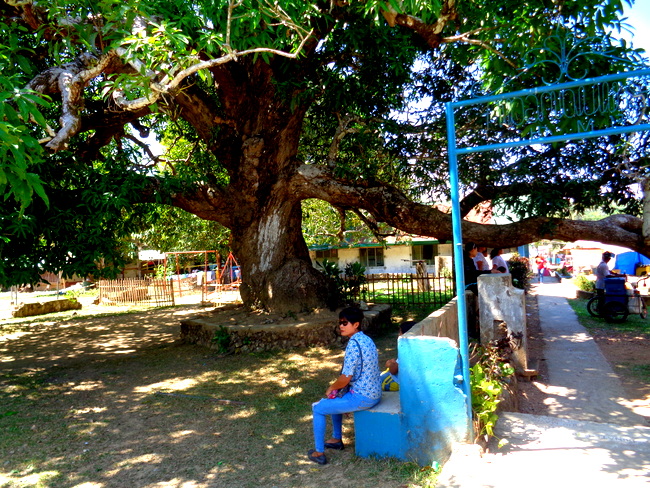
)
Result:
{"points": [[392, 366]]}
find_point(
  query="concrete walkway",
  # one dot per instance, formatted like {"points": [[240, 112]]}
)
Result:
{"points": [[590, 438]]}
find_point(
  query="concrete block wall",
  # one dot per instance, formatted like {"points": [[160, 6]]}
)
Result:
{"points": [[441, 323], [379, 431], [422, 420], [444, 321], [431, 398], [502, 313]]}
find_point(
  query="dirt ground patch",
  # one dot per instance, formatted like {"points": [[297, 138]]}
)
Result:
{"points": [[629, 355], [117, 401], [626, 352]]}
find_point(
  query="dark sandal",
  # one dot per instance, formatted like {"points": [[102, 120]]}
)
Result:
{"points": [[339, 446], [317, 459]]}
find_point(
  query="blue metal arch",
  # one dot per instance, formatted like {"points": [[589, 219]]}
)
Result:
{"points": [[642, 101]]}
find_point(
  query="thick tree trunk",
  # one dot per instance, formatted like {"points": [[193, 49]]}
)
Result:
{"points": [[277, 273], [257, 145], [646, 213]]}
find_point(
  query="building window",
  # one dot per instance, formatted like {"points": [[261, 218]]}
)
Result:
{"points": [[372, 257], [327, 254], [426, 253]]}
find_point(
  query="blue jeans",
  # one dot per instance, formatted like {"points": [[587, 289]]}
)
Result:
{"points": [[336, 407]]}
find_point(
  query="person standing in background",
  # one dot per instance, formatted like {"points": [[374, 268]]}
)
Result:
{"points": [[540, 262]]}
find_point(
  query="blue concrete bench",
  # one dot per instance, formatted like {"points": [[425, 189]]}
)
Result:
{"points": [[422, 420]]}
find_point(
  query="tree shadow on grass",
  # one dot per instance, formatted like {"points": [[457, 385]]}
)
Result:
{"points": [[115, 404]]}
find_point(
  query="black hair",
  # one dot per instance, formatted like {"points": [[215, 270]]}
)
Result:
{"points": [[494, 252], [469, 246], [352, 315]]}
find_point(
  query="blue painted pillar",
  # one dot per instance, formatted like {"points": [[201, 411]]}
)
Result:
{"points": [[433, 404], [422, 420], [456, 221]]}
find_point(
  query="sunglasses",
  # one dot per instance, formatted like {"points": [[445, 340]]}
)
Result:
{"points": [[344, 322]]}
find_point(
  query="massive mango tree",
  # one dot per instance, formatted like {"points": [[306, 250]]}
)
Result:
{"points": [[259, 105]]}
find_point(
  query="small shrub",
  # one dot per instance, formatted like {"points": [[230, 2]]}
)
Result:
{"points": [[345, 289], [585, 284], [332, 272], [488, 378], [81, 292], [329, 268], [355, 276], [222, 339]]}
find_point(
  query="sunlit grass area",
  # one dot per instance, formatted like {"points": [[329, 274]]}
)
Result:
{"points": [[634, 322], [176, 415]]}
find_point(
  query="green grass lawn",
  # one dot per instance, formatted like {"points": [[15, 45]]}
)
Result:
{"points": [[634, 322], [150, 416]]}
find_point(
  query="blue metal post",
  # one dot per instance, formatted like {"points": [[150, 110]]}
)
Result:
{"points": [[454, 152], [458, 258]]}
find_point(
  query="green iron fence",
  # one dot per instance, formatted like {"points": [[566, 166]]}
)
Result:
{"points": [[407, 289]]}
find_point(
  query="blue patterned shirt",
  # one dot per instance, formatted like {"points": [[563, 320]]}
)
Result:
{"points": [[361, 361]]}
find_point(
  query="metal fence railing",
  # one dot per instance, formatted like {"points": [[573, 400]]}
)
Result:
{"points": [[407, 289], [121, 292]]}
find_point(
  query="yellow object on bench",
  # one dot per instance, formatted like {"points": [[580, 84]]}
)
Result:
{"points": [[642, 270]]}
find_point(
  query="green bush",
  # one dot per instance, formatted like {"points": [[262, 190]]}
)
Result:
{"points": [[489, 377], [354, 277], [344, 289], [585, 284]]}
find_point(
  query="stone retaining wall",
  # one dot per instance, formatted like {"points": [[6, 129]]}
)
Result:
{"points": [[257, 338], [584, 294], [50, 306]]}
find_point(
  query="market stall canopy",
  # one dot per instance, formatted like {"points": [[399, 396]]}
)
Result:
{"points": [[585, 255], [594, 246], [629, 262]]}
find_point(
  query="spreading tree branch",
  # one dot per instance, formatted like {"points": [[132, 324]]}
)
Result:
{"points": [[342, 130], [432, 33], [69, 80], [390, 205]]}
